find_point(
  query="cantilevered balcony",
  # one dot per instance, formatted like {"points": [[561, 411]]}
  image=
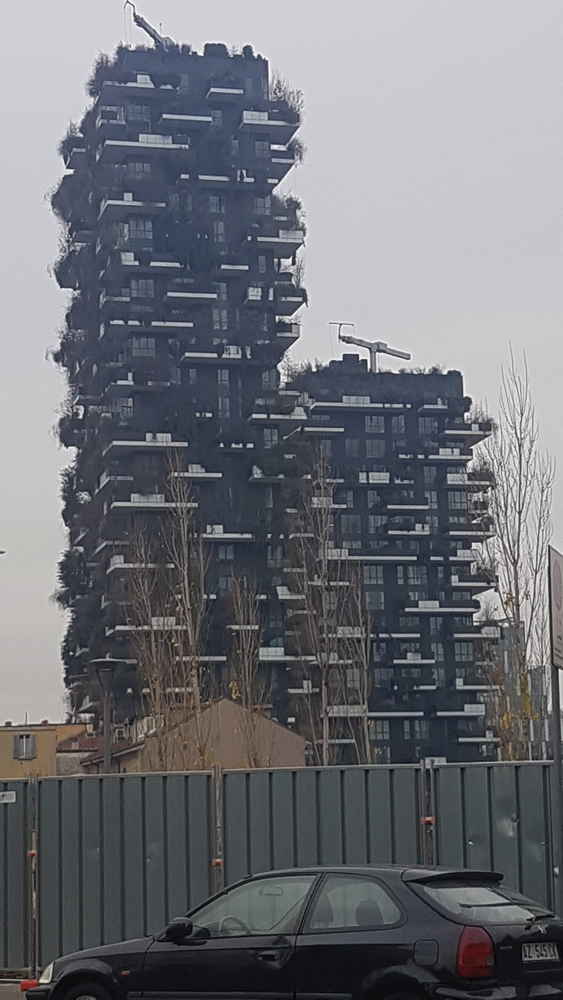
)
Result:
{"points": [[276, 129], [149, 502], [152, 442], [227, 95], [285, 244], [118, 208], [289, 299], [187, 123], [149, 144]]}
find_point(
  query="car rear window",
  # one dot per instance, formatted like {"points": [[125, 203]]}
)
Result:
{"points": [[483, 902]]}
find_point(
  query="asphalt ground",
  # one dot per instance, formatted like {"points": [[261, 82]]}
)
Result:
{"points": [[10, 990]]}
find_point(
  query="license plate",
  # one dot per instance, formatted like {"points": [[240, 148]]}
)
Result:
{"points": [[540, 951]]}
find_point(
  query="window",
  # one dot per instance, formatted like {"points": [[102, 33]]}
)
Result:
{"points": [[325, 446], [224, 407], [398, 425], [225, 583], [234, 147], [380, 728], [427, 426], [350, 901], [270, 379], [140, 229], [375, 522], [351, 448], [437, 650], [375, 447], [439, 675], [375, 600], [274, 556], [484, 903], [143, 347], [457, 500], [463, 652], [413, 576], [431, 497], [351, 525], [192, 376], [409, 621], [373, 498], [216, 204], [262, 263], [373, 575], [270, 437], [416, 729], [375, 425], [225, 553], [429, 473], [263, 906], [138, 113], [138, 171], [216, 117], [223, 376], [220, 318], [261, 147], [268, 498], [24, 746], [262, 206], [142, 288], [219, 232]]}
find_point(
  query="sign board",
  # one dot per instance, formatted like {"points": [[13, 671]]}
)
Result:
{"points": [[6, 797], [556, 606]]}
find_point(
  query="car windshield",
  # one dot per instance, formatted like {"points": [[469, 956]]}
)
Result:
{"points": [[485, 902]]}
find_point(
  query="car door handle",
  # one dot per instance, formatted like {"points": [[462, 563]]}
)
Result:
{"points": [[269, 956]]}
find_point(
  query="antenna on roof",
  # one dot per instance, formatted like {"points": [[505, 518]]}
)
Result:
{"points": [[159, 40]]}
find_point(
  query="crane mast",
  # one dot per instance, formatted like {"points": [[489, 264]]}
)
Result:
{"points": [[374, 347], [159, 40]]}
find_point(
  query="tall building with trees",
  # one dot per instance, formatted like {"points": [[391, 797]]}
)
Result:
{"points": [[299, 542]]}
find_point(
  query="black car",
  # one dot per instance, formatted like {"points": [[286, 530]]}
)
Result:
{"points": [[333, 934]]}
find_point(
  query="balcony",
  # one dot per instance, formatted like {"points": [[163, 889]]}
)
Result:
{"points": [[456, 479], [374, 478], [449, 455], [224, 94], [279, 166], [260, 121], [150, 144], [285, 244], [289, 300], [288, 333], [419, 531], [214, 180], [152, 442], [189, 123], [115, 208], [217, 533], [149, 501], [193, 297], [196, 471]]}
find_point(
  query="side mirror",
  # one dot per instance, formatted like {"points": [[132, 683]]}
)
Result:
{"points": [[178, 929]]}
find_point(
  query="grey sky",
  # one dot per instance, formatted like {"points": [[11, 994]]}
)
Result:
{"points": [[434, 195]]}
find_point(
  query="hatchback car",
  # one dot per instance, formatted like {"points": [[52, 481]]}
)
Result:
{"points": [[334, 934]]}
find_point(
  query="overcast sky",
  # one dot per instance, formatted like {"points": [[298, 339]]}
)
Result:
{"points": [[433, 188]]}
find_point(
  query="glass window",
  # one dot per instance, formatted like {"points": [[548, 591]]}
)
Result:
{"points": [[375, 425], [463, 652], [375, 447], [270, 379], [143, 347], [264, 906], [142, 288], [261, 147], [262, 206], [274, 556], [140, 229], [223, 376], [355, 902], [216, 204], [427, 426], [488, 903], [373, 498], [380, 729], [219, 232], [457, 500], [220, 318], [373, 574], [351, 525], [375, 600], [224, 407], [262, 263], [351, 446], [216, 117], [24, 746], [270, 437], [398, 425]]}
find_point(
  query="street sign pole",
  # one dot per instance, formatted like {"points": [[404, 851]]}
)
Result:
{"points": [[556, 634]]}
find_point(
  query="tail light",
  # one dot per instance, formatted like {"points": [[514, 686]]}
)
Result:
{"points": [[475, 954]]}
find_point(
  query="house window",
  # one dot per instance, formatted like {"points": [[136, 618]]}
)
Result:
{"points": [[351, 525], [274, 556], [216, 204], [219, 232], [415, 576], [223, 376], [429, 473], [192, 376], [416, 729], [262, 263], [431, 497], [269, 498], [380, 729], [143, 347], [140, 229], [262, 206], [24, 746], [437, 649], [224, 407], [142, 288], [375, 448], [398, 425], [216, 117], [225, 553], [375, 425], [138, 171], [261, 147], [234, 147], [375, 522], [270, 379], [373, 575], [351, 447], [373, 498], [138, 113], [220, 318], [463, 652], [375, 600], [457, 500], [427, 426], [270, 437], [225, 583]]}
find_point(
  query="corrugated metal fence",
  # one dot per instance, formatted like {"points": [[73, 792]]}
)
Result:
{"points": [[87, 860]]}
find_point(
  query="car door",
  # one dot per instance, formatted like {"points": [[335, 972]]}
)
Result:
{"points": [[355, 928], [242, 945]]}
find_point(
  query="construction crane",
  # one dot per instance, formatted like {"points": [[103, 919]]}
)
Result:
{"points": [[159, 40], [374, 347]]}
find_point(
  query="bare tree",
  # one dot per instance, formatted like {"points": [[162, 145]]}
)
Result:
{"points": [[249, 684], [167, 611], [331, 629], [519, 508]]}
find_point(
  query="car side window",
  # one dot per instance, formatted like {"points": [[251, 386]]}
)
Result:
{"points": [[352, 901], [262, 906]]}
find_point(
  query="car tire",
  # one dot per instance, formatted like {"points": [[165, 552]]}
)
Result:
{"points": [[404, 996], [86, 990]]}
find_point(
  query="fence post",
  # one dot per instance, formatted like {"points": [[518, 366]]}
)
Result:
{"points": [[31, 819], [217, 861], [428, 811]]}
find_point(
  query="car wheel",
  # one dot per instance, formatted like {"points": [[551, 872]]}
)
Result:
{"points": [[87, 991], [403, 996]]}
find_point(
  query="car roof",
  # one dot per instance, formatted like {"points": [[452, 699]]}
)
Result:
{"points": [[408, 873]]}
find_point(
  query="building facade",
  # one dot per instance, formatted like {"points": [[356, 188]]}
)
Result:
{"points": [[181, 258]]}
